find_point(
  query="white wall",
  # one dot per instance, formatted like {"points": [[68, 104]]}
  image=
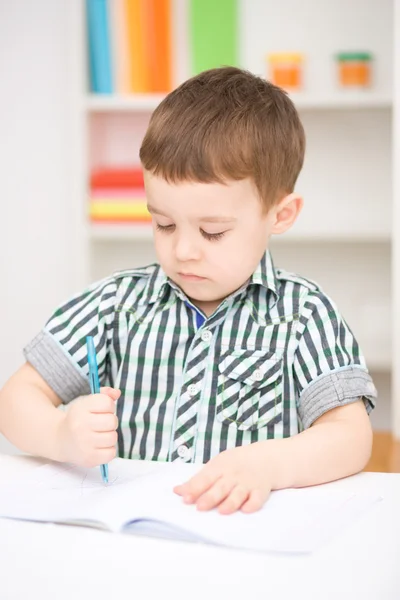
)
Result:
{"points": [[36, 124]]}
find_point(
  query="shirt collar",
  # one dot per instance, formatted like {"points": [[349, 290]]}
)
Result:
{"points": [[159, 285], [265, 274]]}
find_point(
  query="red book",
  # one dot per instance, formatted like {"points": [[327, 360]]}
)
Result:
{"points": [[117, 178]]}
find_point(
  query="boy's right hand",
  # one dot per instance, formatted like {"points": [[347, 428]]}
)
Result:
{"points": [[87, 434]]}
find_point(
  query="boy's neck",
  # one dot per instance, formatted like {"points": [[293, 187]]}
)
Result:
{"points": [[208, 308]]}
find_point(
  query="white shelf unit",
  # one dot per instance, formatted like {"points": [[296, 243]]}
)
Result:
{"points": [[336, 101], [343, 238]]}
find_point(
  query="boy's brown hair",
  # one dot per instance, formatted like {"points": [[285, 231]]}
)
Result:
{"points": [[227, 123]]}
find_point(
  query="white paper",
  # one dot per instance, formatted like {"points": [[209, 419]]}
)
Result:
{"points": [[295, 521]]}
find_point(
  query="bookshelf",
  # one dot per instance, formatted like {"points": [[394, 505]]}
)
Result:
{"points": [[335, 101], [344, 238]]}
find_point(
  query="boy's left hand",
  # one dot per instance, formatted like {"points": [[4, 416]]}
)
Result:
{"points": [[236, 479]]}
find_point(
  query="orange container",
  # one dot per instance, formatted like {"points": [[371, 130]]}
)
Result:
{"points": [[354, 69], [286, 70]]}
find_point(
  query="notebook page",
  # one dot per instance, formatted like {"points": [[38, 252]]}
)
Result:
{"points": [[64, 493], [291, 520], [294, 520]]}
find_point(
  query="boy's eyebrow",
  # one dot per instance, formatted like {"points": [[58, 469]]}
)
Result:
{"points": [[210, 219], [218, 219], [155, 211]]}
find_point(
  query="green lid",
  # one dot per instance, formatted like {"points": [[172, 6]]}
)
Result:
{"points": [[354, 56]]}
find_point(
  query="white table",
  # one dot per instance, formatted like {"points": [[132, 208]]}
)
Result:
{"points": [[51, 561]]}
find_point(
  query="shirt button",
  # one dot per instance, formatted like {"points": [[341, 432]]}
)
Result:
{"points": [[184, 452], [206, 335], [257, 375], [192, 389]]}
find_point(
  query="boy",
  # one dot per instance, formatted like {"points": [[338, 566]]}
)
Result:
{"points": [[220, 358]]}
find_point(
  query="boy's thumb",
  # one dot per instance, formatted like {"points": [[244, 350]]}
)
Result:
{"points": [[113, 393]]}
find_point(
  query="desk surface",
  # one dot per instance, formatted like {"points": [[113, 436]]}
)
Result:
{"points": [[52, 561]]}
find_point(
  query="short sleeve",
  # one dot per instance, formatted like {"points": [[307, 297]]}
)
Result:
{"points": [[329, 368], [59, 352]]}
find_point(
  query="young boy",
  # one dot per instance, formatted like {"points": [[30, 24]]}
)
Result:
{"points": [[219, 357]]}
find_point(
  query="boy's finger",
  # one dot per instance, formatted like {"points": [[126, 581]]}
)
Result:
{"points": [[254, 502], [105, 440], [101, 403], [112, 392], [237, 498], [100, 422], [197, 485], [217, 493]]}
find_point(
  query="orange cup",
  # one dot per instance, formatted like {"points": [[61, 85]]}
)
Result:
{"points": [[354, 69], [286, 70]]}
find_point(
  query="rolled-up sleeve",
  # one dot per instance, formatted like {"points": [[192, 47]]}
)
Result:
{"points": [[329, 368], [59, 352]]}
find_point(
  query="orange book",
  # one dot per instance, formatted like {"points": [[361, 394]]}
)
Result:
{"points": [[136, 34], [157, 18]]}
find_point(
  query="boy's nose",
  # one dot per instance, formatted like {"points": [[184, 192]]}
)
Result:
{"points": [[186, 249]]}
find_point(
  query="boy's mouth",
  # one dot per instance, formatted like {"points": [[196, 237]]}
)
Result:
{"points": [[191, 277]]}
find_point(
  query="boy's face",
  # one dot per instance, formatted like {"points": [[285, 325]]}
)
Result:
{"points": [[209, 237]]}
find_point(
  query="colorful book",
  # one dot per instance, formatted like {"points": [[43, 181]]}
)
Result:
{"points": [[117, 178], [213, 33], [98, 36], [157, 17], [119, 212], [117, 194], [119, 46], [136, 34], [117, 205]]}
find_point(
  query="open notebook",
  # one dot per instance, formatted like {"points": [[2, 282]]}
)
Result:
{"points": [[295, 520]]}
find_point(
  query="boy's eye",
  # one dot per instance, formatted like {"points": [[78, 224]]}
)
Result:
{"points": [[212, 237], [165, 227]]}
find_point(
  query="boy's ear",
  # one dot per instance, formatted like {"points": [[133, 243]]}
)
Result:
{"points": [[286, 213]]}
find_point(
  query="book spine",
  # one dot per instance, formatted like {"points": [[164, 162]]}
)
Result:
{"points": [[213, 34], [99, 46], [118, 194], [158, 44], [130, 211], [117, 178], [119, 46], [135, 16]]}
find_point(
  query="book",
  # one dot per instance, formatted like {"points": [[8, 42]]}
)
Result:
{"points": [[99, 46], [149, 38], [119, 46], [158, 44], [117, 211], [129, 177], [136, 38], [213, 34], [135, 502]]}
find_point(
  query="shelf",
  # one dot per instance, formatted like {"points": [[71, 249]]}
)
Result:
{"points": [[113, 103], [129, 232], [144, 232], [346, 99], [342, 99], [345, 237]]}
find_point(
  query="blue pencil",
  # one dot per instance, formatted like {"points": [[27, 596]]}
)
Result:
{"points": [[95, 386]]}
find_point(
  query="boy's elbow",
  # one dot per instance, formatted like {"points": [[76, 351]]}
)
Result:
{"points": [[366, 443], [361, 436]]}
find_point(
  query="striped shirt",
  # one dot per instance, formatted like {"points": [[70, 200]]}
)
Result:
{"points": [[272, 358]]}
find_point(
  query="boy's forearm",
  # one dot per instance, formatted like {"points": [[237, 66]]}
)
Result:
{"points": [[29, 420], [329, 450]]}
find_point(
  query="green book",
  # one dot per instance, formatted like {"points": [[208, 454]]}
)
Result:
{"points": [[214, 34]]}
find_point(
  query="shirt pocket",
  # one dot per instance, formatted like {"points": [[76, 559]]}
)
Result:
{"points": [[250, 385]]}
